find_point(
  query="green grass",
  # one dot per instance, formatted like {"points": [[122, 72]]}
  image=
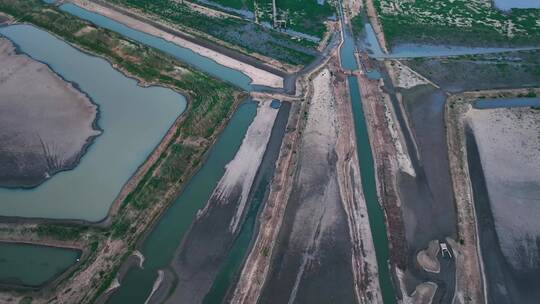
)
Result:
{"points": [[252, 38], [462, 22], [306, 16], [211, 102]]}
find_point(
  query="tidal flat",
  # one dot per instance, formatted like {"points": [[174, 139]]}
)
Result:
{"points": [[46, 123], [503, 147]]}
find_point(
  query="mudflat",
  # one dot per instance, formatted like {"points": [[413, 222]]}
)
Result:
{"points": [[508, 142], [46, 124]]}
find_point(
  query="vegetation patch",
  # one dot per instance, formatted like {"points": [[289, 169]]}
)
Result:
{"points": [[305, 16], [251, 37], [484, 71], [211, 103], [462, 22]]}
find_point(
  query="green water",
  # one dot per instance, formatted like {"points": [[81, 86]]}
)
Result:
{"points": [[200, 62], [33, 265], [161, 244], [367, 172]]}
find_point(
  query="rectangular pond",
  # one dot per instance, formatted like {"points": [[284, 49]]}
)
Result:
{"points": [[33, 265], [161, 244], [134, 120]]}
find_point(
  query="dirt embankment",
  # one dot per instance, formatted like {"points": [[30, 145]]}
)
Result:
{"points": [[377, 27], [364, 260], [376, 104], [313, 251], [46, 124], [211, 236], [258, 74], [257, 264], [470, 273]]}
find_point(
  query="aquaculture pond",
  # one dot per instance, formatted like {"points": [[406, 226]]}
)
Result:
{"points": [[133, 119], [32, 265], [158, 249], [186, 55], [491, 103]]}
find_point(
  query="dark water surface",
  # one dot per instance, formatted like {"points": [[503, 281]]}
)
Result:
{"points": [[32, 265]]}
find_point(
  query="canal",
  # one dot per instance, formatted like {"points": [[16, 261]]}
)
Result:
{"points": [[367, 172], [129, 115]]}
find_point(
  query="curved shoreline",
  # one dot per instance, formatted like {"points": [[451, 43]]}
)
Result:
{"points": [[250, 67], [75, 86], [144, 166]]}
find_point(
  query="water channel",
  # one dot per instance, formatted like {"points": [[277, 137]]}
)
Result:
{"points": [[417, 50], [165, 238], [186, 55], [159, 247], [376, 215]]}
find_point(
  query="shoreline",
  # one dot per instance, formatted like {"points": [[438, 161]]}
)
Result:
{"points": [[473, 267], [110, 251], [141, 170], [230, 200], [258, 72], [75, 86]]}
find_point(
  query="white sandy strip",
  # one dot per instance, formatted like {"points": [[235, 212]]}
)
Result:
{"points": [[242, 169], [157, 283], [140, 256], [404, 161], [404, 77], [258, 76], [115, 284]]}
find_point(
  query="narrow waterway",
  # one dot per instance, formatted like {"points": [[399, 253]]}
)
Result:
{"points": [[370, 44], [186, 55], [32, 265], [367, 172], [376, 215], [161, 244]]}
